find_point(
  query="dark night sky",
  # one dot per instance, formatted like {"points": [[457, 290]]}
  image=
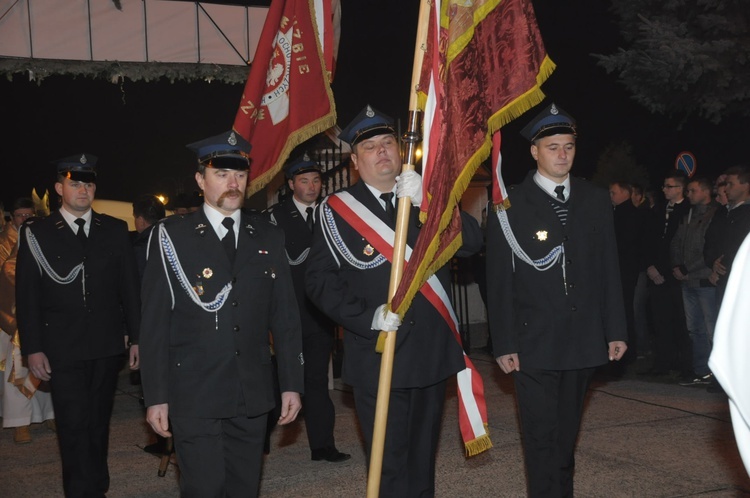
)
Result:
{"points": [[139, 130]]}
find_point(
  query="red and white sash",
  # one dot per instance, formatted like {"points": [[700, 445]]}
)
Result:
{"points": [[471, 403]]}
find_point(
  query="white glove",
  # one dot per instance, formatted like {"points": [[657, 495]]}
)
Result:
{"points": [[409, 184], [385, 319]]}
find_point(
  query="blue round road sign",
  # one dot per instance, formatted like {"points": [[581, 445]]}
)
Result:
{"points": [[686, 162]]}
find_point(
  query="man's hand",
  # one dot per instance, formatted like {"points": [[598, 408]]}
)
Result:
{"points": [[290, 407], [409, 184], [677, 273], [135, 357], [39, 366], [714, 279], [654, 275], [385, 320], [616, 350], [509, 363], [718, 267], [157, 417]]}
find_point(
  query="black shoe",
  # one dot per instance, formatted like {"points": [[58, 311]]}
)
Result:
{"points": [[330, 455], [703, 380]]}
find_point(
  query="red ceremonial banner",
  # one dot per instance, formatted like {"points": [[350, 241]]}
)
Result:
{"points": [[287, 97], [483, 66]]}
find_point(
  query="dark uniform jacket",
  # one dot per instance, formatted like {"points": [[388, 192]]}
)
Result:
{"points": [[198, 360], [62, 320], [298, 239], [426, 351], [530, 312]]}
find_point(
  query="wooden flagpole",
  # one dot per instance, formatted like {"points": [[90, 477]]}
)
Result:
{"points": [[411, 139]]}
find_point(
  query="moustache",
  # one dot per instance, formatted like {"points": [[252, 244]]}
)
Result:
{"points": [[232, 192]]}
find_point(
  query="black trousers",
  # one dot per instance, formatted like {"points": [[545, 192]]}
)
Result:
{"points": [[672, 347], [550, 403], [219, 457], [318, 407], [411, 438], [83, 395]]}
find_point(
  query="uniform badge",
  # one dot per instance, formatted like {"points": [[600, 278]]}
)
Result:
{"points": [[368, 250], [207, 273], [199, 288], [271, 272], [541, 235], [201, 229]]}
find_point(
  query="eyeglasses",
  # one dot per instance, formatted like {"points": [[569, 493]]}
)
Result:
{"points": [[671, 186]]}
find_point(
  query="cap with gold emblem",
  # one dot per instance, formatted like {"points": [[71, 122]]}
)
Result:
{"points": [[551, 121], [299, 166], [226, 151], [80, 168], [368, 123]]}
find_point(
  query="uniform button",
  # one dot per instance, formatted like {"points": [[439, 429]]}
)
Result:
{"points": [[236, 353], [84, 258], [411, 322], [525, 324], [236, 328], [565, 238], [234, 303], [568, 262], [573, 308], [572, 286], [234, 280], [88, 293], [178, 364]]}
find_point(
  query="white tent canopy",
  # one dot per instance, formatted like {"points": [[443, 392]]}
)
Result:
{"points": [[139, 31]]}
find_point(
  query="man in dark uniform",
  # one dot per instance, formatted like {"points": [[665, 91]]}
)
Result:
{"points": [[216, 282], [77, 283], [555, 301], [294, 214], [347, 277]]}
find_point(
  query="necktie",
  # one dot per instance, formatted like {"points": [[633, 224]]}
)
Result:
{"points": [[228, 240], [81, 234], [559, 191], [309, 218], [389, 210]]}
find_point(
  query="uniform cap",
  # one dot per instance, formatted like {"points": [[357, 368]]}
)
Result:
{"points": [[551, 121], [228, 150], [81, 167], [299, 166], [368, 123]]}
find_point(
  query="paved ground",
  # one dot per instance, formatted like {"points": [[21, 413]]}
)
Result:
{"points": [[640, 437]]}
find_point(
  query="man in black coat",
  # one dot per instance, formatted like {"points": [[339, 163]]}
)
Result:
{"points": [[347, 277], [76, 285], [672, 349], [628, 223], [554, 299], [216, 283], [729, 227], [294, 215]]}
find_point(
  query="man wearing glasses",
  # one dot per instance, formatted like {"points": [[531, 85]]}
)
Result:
{"points": [[670, 342]]}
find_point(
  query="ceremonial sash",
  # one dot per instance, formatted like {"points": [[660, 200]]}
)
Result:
{"points": [[472, 408]]}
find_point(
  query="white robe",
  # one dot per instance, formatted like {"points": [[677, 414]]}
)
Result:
{"points": [[728, 359]]}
